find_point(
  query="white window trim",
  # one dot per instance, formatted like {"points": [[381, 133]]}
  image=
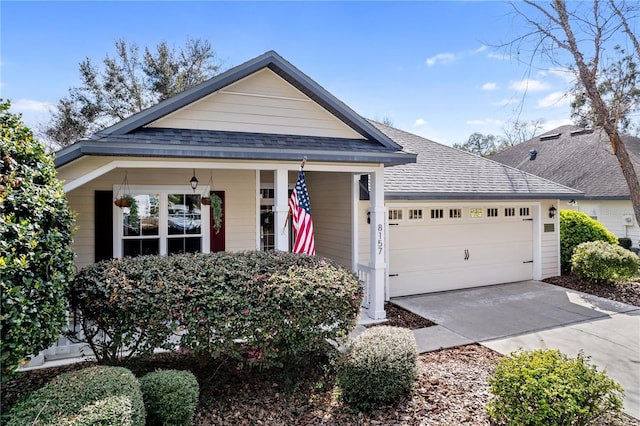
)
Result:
{"points": [[163, 217]]}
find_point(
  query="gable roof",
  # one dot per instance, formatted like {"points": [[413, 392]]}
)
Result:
{"points": [[576, 157], [130, 137], [443, 172]]}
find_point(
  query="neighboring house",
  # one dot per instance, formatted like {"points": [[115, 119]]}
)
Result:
{"points": [[583, 159], [424, 218]]}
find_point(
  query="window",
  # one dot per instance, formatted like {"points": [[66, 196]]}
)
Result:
{"points": [[455, 213], [492, 212], [161, 222], [415, 214], [395, 214], [524, 211], [475, 213], [510, 211], [437, 213]]}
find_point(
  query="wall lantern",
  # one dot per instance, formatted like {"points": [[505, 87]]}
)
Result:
{"points": [[194, 181], [552, 212]]}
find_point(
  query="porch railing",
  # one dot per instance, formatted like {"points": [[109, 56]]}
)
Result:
{"points": [[364, 275]]}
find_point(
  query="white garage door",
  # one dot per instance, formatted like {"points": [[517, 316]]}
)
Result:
{"points": [[438, 249]]}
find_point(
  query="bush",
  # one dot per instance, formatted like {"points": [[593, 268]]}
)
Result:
{"points": [[80, 395], [113, 411], [170, 396], [602, 262], [379, 366], [261, 308], [36, 259], [625, 242], [576, 228], [545, 387]]}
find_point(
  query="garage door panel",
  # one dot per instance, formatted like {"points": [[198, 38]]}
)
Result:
{"points": [[426, 256]]}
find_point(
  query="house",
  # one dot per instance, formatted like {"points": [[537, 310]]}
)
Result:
{"points": [[583, 159], [408, 214]]}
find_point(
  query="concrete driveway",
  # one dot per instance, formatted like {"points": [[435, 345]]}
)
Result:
{"points": [[535, 315]]}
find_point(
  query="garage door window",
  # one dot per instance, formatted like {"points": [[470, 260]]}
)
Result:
{"points": [[510, 211], [395, 214], [475, 213], [415, 214], [437, 213], [492, 212], [524, 212], [455, 213]]}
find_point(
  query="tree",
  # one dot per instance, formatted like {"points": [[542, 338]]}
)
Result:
{"points": [[516, 132], [588, 39], [125, 84], [483, 145], [36, 259]]}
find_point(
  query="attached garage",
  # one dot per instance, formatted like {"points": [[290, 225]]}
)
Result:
{"points": [[439, 248]]}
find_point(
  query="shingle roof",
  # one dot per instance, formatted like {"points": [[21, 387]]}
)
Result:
{"points": [[189, 143], [442, 172], [578, 158], [129, 137]]}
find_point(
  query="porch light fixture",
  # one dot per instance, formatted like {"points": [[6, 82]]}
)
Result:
{"points": [[552, 212], [194, 181]]}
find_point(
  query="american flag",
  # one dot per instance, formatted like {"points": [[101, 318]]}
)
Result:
{"points": [[301, 217]]}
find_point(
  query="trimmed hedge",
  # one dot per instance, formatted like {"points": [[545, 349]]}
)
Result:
{"points": [[170, 397], [602, 262], [261, 308], [36, 258], [379, 367], [625, 242], [545, 387], [74, 396], [575, 228]]}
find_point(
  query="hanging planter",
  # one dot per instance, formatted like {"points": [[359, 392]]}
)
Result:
{"points": [[125, 200], [216, 206], [124, 197]]}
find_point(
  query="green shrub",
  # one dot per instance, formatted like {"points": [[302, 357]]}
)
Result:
{"points": [[576, 228], [112, 411], [602, 262], [68, 394], [36, 259], [625, 242], [261, 308], [545, 387], [170, 396], [378, 367]]}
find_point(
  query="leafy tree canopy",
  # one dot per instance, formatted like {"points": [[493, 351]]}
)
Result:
{"points": [[127, 82]]}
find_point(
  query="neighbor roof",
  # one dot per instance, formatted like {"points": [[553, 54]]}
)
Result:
{"points": [[576, 157], [130, 137], [442, 172]]}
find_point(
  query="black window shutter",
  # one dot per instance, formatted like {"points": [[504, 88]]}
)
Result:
{"points": [[103, 217]]}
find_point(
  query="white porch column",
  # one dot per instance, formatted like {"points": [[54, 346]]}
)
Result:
{"points": [[281, 208], [377, 245]]}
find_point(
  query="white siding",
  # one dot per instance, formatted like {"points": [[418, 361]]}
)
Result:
{"points": [[330, 196], [550, 241], [240, 204], [263, 103], [610, 214]]}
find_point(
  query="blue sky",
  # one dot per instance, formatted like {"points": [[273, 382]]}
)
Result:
{"points": [[427, 66]]}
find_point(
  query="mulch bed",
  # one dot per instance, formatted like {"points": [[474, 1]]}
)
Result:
{"points": [[451, 387], [400, 317]]}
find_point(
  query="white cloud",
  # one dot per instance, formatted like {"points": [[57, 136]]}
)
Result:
{"points": [[505, 102], [419, 122], [554, 99], [30, 105], [500, 56], [489, 86], [528, 85], [485, 122], [552, 124], [442, 58], [480, 49]]}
